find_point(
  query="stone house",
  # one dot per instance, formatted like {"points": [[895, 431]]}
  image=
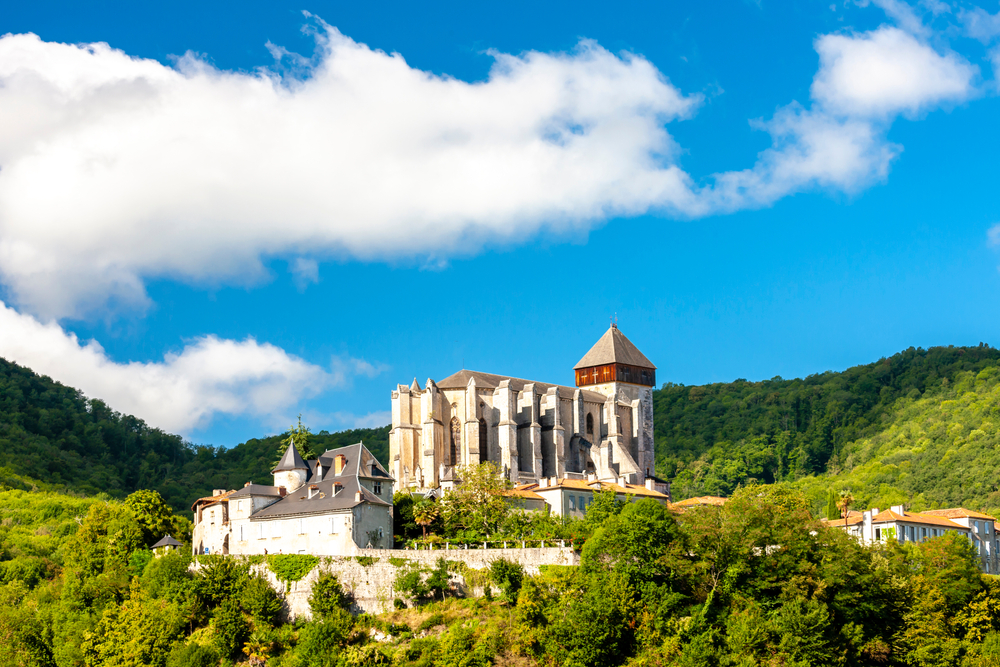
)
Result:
{"points": [[895, 523], [532, 430], [330, 506]]}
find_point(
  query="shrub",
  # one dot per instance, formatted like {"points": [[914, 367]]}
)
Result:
{"points": [[261, 601], [231, 630], [507, 576], [192, 655], [320, 642], [327, 596], [438, 581]]}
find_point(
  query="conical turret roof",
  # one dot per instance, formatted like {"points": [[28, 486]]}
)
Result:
{"points": [[291, 460], [614, 348]]}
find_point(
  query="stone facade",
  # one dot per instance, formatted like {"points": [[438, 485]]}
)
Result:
{"points": [[531, 430]]}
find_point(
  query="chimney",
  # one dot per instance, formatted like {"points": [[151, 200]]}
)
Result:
{"points": [[866, 525], [650, 484], [282, 491], [338, 464], [899, 509], [246, 485], [543, 483], [591, 477], [875, 511], [313, 490], [357, 496], [218, 492]]}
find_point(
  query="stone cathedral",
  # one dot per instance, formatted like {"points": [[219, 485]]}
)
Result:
{"points": [[602, 427]]}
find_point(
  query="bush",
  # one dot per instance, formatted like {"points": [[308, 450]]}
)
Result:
{"points": [[411, 581], [231, 630], [320, 642], [327, 596], [507, 576], [261, 601], [192, 655], [438, 581]]}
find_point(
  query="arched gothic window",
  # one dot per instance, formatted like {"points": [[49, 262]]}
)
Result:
{"points": [[590, 424], [456, 439]]}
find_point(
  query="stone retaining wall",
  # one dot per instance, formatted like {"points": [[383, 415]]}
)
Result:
{"points": [[372, 585]]}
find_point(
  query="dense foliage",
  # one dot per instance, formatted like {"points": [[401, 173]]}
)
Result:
{"points": [[53, 437], [712, 438], [756, 582]]}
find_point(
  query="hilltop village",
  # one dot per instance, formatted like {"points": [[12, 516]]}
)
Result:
{"points": [[558, 446]]}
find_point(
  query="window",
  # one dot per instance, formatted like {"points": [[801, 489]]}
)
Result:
{"points": [[923, 534], [583, 503], [456, 440], [590, 424], [377, 488], [483, 442], [878, 534], [302, 526], [333, 524], [242, 536], [572, 503]]}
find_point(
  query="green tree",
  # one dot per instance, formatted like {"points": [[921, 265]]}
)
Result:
{"points": [[301, 437], [328, 596], [478, 505], [139, 633], [425, 513]]}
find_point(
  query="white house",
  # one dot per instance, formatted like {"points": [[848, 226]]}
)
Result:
{"points": [[571, 497], [896, 523], [333, 505]]}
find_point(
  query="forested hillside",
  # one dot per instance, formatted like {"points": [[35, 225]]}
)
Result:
{"points": [[62, 440], [711, 438]]}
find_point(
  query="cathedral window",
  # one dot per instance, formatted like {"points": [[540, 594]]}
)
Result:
{"points": [[456, 439], [483, 442]]}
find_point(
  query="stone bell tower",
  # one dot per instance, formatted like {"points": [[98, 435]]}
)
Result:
{"points": [[617, 369]]}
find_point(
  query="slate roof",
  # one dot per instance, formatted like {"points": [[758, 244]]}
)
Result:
{"points": [[360, 463], [460, 380], [291, 460], [614, 348], [167, 541], [256, 490]]}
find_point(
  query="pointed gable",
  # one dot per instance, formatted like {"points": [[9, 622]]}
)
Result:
{"points": [[614, 348], [291, 460]]}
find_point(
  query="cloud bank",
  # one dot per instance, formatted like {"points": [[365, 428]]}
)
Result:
{"points": [[115, 169], [209, 377]]}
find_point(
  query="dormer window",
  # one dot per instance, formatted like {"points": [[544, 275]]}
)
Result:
{"points": [[377, 488]]}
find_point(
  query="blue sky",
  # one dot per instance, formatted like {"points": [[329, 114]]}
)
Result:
{"points": [[755, 189]]}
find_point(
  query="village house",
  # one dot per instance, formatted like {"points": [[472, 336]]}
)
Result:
{"points": [[572, 497], [895, 523], [333, 505]]}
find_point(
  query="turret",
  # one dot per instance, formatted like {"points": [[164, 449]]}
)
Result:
{"points": [[291, 472]]}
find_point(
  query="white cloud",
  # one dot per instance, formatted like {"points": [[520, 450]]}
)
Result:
{"points": [[886, 72], [114, 170], [209, 377], [980, 24], [304, 271]]}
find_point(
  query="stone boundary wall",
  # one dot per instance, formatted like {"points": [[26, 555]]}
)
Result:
{"points": [[372, 585]]}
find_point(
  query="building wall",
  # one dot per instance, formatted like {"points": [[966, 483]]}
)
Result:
{"points": [[530, 433]]}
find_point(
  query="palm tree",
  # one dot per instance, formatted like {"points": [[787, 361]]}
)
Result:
{"points": [[424, 514], [844, 505]]}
